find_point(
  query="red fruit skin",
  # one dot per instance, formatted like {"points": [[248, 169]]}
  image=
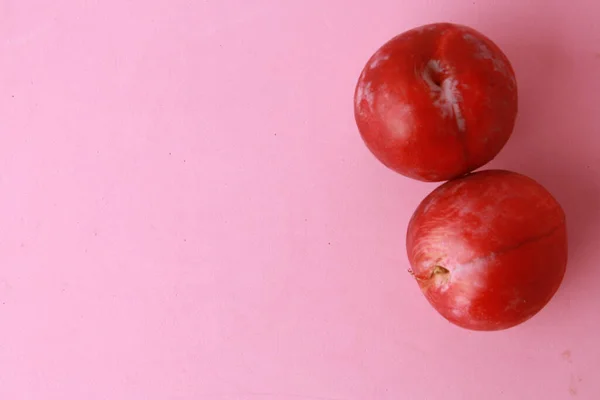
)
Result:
{"points": [[488, 250], [436, 102]]}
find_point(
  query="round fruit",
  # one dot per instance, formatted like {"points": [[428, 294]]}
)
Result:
{"points": [[488, 250], [436, 102]]}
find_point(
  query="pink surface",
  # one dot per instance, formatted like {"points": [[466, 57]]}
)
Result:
{"points": [[187, 210]]}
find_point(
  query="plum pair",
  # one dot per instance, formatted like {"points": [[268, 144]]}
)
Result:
{"points": [[488, 249]]}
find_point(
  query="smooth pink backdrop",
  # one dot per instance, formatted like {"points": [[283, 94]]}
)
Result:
{"points": [[188, 212]]}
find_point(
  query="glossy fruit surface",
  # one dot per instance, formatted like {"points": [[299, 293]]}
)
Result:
{"points": [[488, 250], [436, 102]]}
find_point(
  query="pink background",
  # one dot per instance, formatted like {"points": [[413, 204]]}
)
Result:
{"points": [[187, 210]]}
